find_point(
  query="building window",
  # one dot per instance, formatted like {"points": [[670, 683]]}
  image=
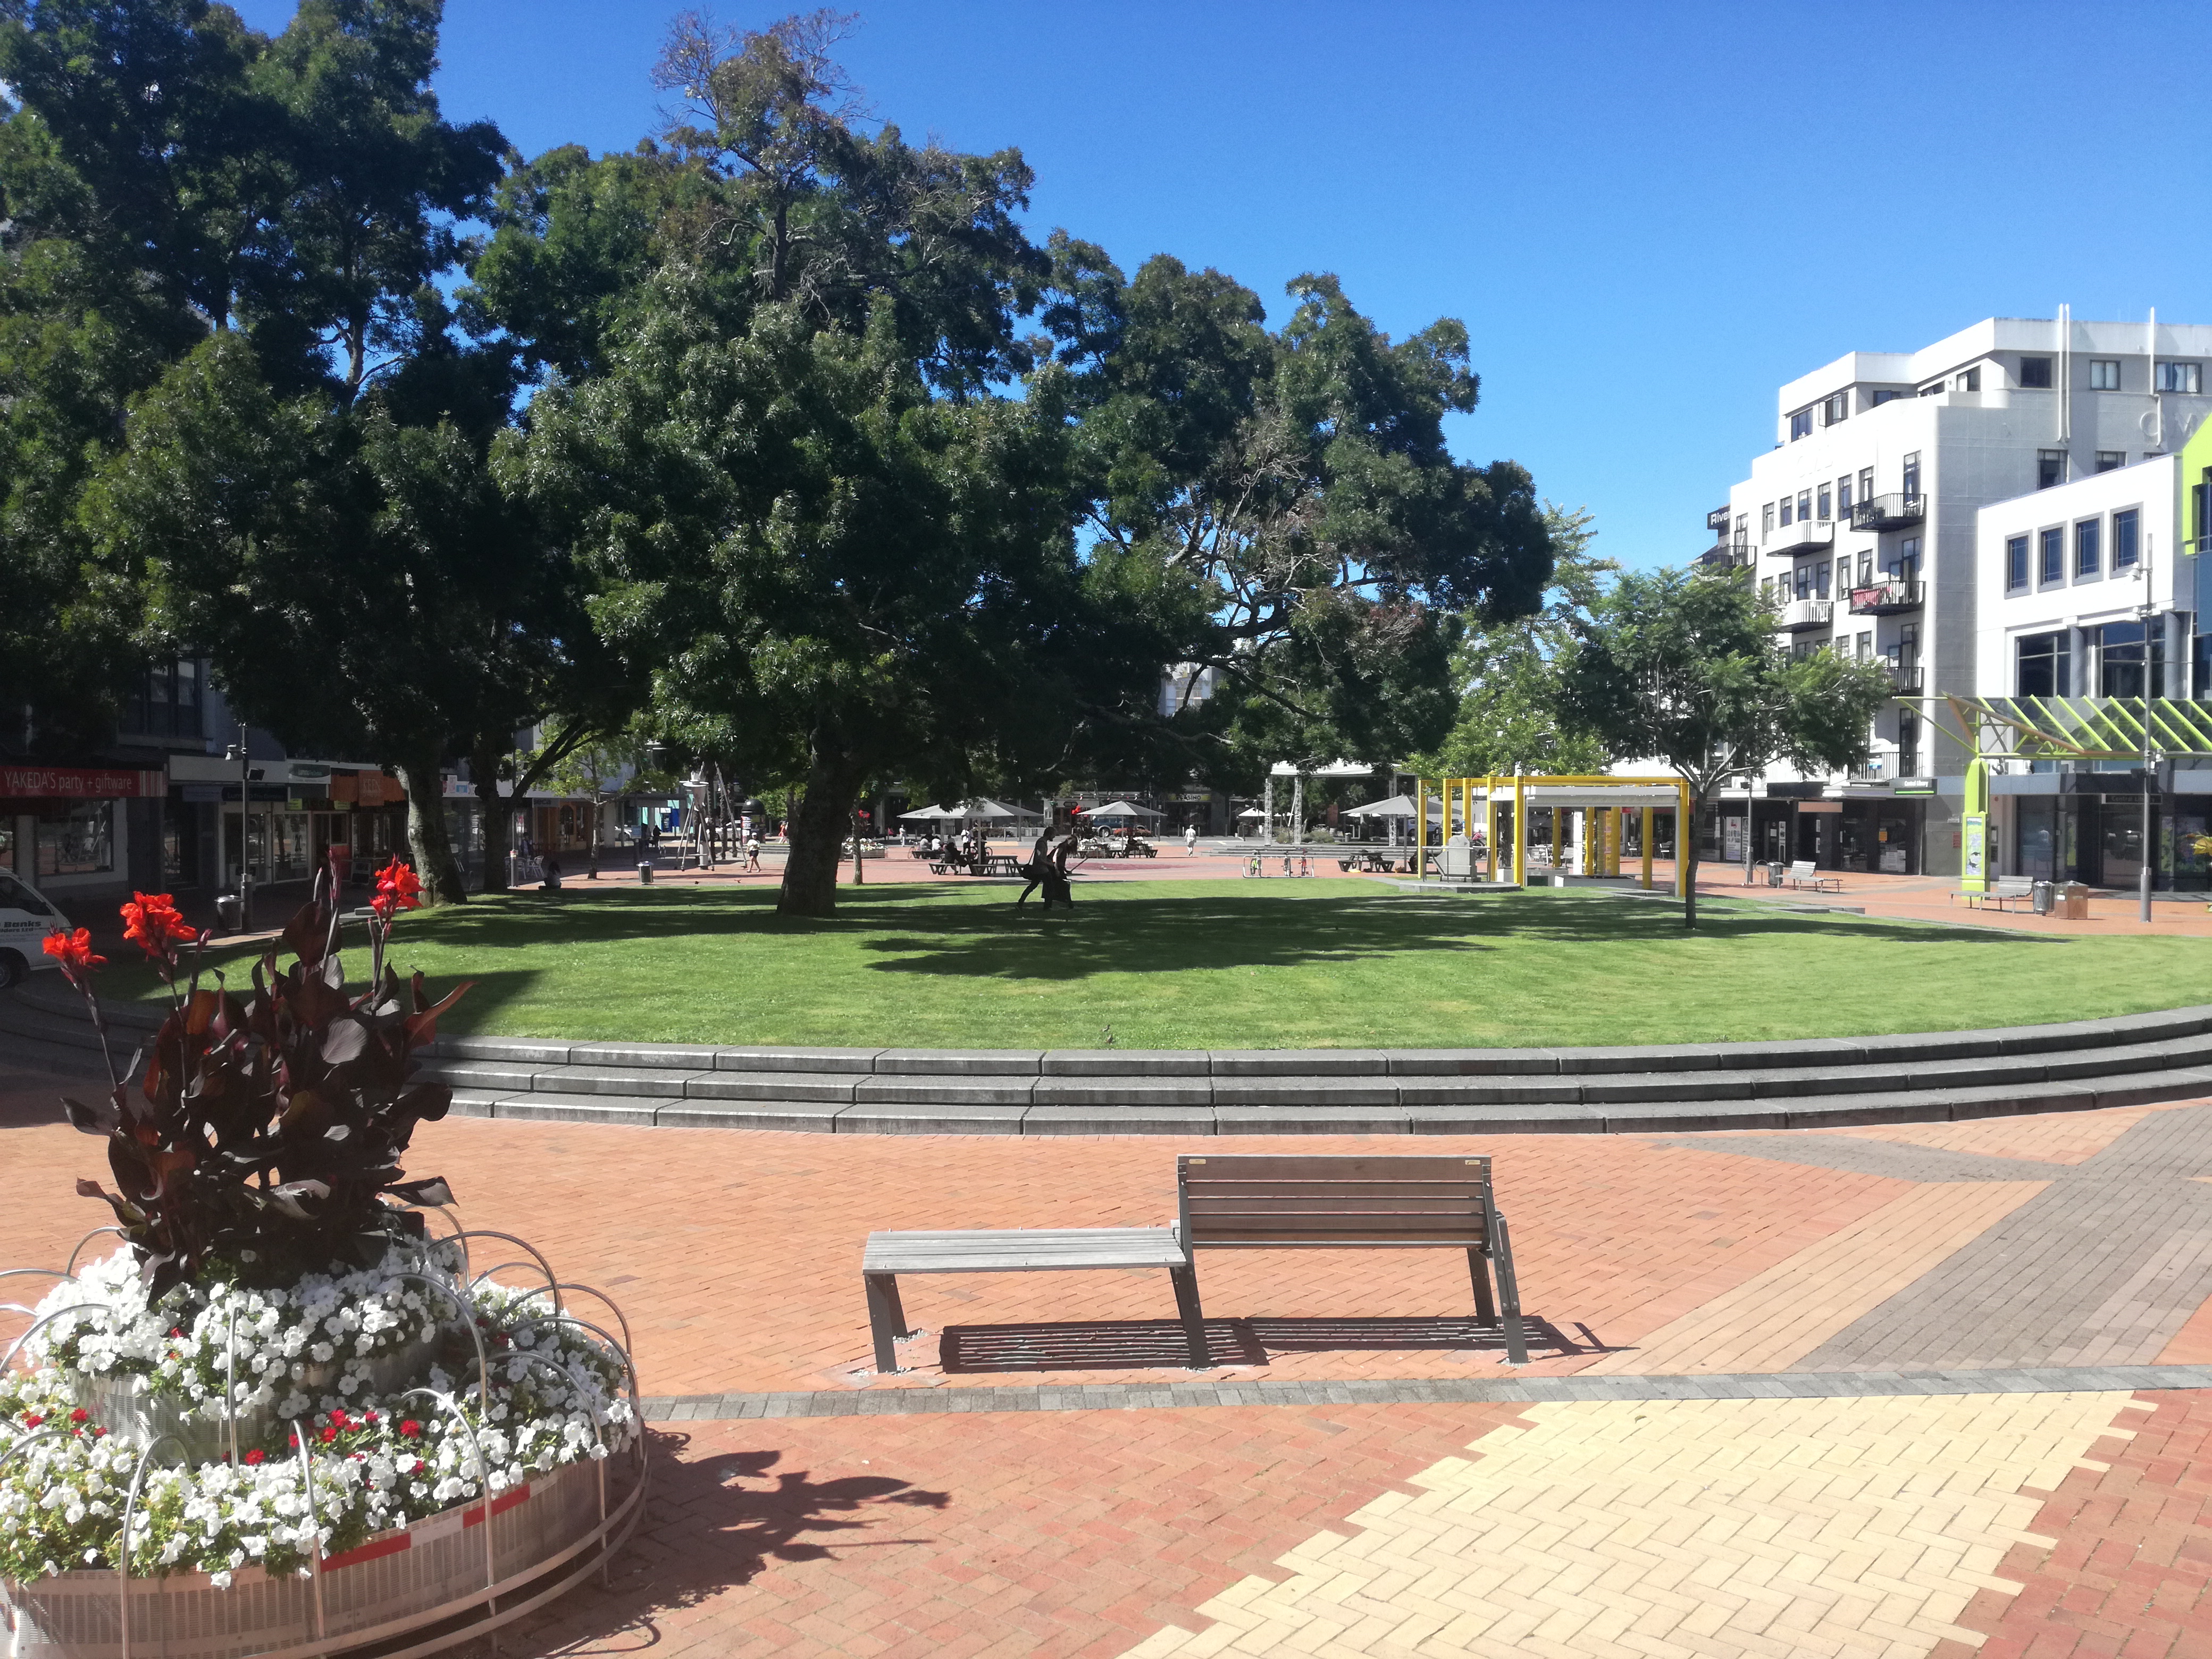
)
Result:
{"points": [[1786, 519], [1825, 500], [2181, 377], [1843, 497], [1767, 520], [1820, 581], [2111, 460], [1904, 567], [2123, 538], [2044, 663], [1866, 644], [2051, 567], [165, 702], [1866, 568], [1908, 744], [1837, 409], [1912, 473], [2015, 564], [1801, 424], [1881, 397], [1804, 581], [1933, 390], [1742, 526], [2089, 549], [2035, 373], [2120, 658], [1804, 506], [2049, 468], [76, 838], [1969, 381], [1866, 483], [2104, 374]]}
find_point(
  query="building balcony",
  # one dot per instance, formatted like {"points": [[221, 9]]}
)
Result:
{"points": [[1726, 555], [1906, 681], [1888, 512], [1887, 599], [1806, 536], [1801, 615]]}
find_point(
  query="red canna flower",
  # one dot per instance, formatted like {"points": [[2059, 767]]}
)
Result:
{"points": [[151, 922], [80, 1415], [257, 1455], [74, 953], [398, 888], [31, 1420], [327, 1436], [412, 1429]]}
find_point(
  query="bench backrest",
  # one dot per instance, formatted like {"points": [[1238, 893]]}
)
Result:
{"points": [[1318, 1202], [1801, 867]]}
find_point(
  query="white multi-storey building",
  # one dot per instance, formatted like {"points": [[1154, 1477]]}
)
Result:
{"points": [[1864, 521]]}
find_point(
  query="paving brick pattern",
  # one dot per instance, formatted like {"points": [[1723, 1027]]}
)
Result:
{"points": [[1718, 1527], [2104, 1265], [1048, 1479]]}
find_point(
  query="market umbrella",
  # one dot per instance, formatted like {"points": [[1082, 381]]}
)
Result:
{"points": [[981, 808], [1122, 809], [931, 812], [1398, 806]]}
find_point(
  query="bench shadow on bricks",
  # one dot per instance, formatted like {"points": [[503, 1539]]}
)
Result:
{"points": [[1104, 1345], [716, 1522]]}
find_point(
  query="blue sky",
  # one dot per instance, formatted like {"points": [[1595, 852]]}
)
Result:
{"points": [[1647, 216]]}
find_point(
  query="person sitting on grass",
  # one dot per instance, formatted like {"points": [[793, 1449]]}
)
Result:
{"points": [[550, 881]]}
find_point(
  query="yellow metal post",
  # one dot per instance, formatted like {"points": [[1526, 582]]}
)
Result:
{"points": [[1520, 833], [1490, 829], [1647, 849], [1559, 837]]}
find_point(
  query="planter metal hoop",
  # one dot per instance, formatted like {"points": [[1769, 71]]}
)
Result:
{"points": [[16, 1346], [552, 1278], [612, 1307], [448, 1405], [629, 1369], [27, 1438], [600, 1439], [467, 1304], [123, 1543], [87, 1239]]}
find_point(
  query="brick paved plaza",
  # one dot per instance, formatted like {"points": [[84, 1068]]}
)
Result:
{"points": [[1747, 1430]]}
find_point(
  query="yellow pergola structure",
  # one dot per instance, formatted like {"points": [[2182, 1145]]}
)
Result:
{"points": [[1605, 802]]}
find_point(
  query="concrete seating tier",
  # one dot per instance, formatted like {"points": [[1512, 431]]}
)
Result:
{"points": [[1814, 1081]]}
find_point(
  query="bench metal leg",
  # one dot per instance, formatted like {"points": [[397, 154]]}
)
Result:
{"points": [[1193, 1317], [1509, 1293], [1486, 1306], [886, 1318]]}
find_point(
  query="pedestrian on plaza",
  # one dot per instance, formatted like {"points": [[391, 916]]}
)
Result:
{"points": [[752, 854], [1190, 841], [550, 879]]}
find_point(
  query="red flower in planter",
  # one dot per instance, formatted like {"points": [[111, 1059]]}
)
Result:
{"points": [[151, 922], [31, 1420], [74, 953], [398, 888], [412, 1429], [80, 1415], [257, 1455]]}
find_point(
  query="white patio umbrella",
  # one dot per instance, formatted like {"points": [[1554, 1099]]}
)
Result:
{"points": [[1122, 809], [1251, 812], [1398, 806], [931, 812]]}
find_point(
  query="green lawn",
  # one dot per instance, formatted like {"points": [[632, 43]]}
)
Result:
{"points": [[1223, 964]]}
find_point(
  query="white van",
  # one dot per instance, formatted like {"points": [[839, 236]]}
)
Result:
{"points": [[26, 919]]}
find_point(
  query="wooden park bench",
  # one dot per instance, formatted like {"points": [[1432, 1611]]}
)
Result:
{"points": [[1237, 1202], [1804, 873]]}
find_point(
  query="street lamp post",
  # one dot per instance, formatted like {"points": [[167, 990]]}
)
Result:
{"points": [[2144, 612], [239, 753]]}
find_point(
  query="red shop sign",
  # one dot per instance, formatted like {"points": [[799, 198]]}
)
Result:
{"points": [[78, 783]]}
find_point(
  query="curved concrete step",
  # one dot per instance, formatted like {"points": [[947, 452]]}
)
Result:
{"points": [[1930, 1076]]}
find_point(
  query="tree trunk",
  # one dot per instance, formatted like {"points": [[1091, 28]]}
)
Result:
{"points": [[818, 831], [432, 848], [498, 813], [1685, 854]]}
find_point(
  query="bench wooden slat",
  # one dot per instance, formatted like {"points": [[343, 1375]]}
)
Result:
{"points": [[1022, 1250], [1321, 1166]]}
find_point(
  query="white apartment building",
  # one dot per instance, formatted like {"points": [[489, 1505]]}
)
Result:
{"points": [[1864, 521]]}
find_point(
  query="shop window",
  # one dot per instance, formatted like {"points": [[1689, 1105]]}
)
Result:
{"points": [[2124, 549], [2120, 659], [76, 838]]}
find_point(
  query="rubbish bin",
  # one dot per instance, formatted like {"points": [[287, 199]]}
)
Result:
{"points": [[1774, 875], [645, 872], [2074, 906], [226, 911], [2043, 897]]}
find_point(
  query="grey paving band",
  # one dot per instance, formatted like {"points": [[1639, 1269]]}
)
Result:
{"points": [[1421, 1391]]}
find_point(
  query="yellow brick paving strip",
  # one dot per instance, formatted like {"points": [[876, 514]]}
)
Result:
{"points": [[1779, 1316], [2049, 1138], [1629, 1529]]}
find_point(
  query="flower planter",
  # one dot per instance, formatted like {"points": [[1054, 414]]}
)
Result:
{"points": [[124, 1406], [545, 1537]]}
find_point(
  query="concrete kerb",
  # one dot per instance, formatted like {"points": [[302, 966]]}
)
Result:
{"points": [[2131, 1059]]}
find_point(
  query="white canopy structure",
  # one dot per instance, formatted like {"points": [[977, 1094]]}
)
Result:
{"points": [[931, 812], [1398, 806], [1122, 809]]}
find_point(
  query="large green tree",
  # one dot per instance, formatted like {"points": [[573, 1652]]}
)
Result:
{"points": [[1295, 483], [818, 522], [1683, 667]]}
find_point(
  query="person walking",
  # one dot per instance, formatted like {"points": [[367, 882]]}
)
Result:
{"points": [[752, 854], [1190, 841]]}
